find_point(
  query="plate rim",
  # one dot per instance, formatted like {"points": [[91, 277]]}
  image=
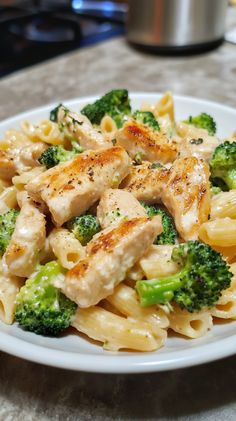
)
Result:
{"points": [[131, 94], [115, 363]]}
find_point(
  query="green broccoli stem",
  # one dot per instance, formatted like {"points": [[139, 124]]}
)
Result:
{"points": [[159, 291]]}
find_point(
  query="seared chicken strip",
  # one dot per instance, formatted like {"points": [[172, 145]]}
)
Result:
{"points": [[70, 188], [187, 195], [145, 182], [28, 239], [78, 126], [109, 256], [116, 205], [153, 146]]}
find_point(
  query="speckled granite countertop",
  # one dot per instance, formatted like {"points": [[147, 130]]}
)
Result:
{"points": [[33, 392]]}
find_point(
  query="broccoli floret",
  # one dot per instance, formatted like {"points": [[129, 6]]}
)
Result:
{"points": [[7, 226], [203, 121], [223, 166], [215, 190], [169, 234], [54, 155], [203, 275], [41, 307], [115, 103], [147, 118], [84, 227]]}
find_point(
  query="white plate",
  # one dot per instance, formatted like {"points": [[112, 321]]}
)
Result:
{"points": [[77, 353]]}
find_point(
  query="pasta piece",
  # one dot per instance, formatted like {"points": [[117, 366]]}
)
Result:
{"points": [[108, 126], [192, 325], [225, 308], [117, 332], [165, 106], [46, 254], [185, 130], [9, 288], [157, 262], [125, 300], [8, 199], [21, 180], [46, 131], [224, 205], [219, 232], [7, 166], [4, 144], [19, 157], [22, 253], [66, 247], [14, 139], [3, 185], [134, 274]]}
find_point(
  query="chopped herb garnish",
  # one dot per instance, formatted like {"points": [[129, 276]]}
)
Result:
{"points": [[155, 165], [196, 141], [138, 158]]}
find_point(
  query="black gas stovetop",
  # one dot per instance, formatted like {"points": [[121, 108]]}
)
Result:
{"points": [[29, 37]]}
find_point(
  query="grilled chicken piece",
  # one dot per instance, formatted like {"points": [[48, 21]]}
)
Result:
{"points": [[146, 183], [70, 188], [28, 239], [109, 256], [187, 195], [153, 146], [116, 205], [78, 127]]}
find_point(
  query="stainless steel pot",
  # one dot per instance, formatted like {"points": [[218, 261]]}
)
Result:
{"points": [[176, 24]]}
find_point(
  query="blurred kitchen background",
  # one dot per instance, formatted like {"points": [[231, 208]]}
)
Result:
{"points": [[32, 31]]}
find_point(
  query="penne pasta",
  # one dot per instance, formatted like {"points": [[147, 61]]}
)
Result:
{"points": [[223, 205], [117, 332], [8, 199], [191, 325], [165, 106], [66, 247], [125, 300], [157, 262], [219, 232], [46, 131], [9, 288], [108, 125], [225, 308]]}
